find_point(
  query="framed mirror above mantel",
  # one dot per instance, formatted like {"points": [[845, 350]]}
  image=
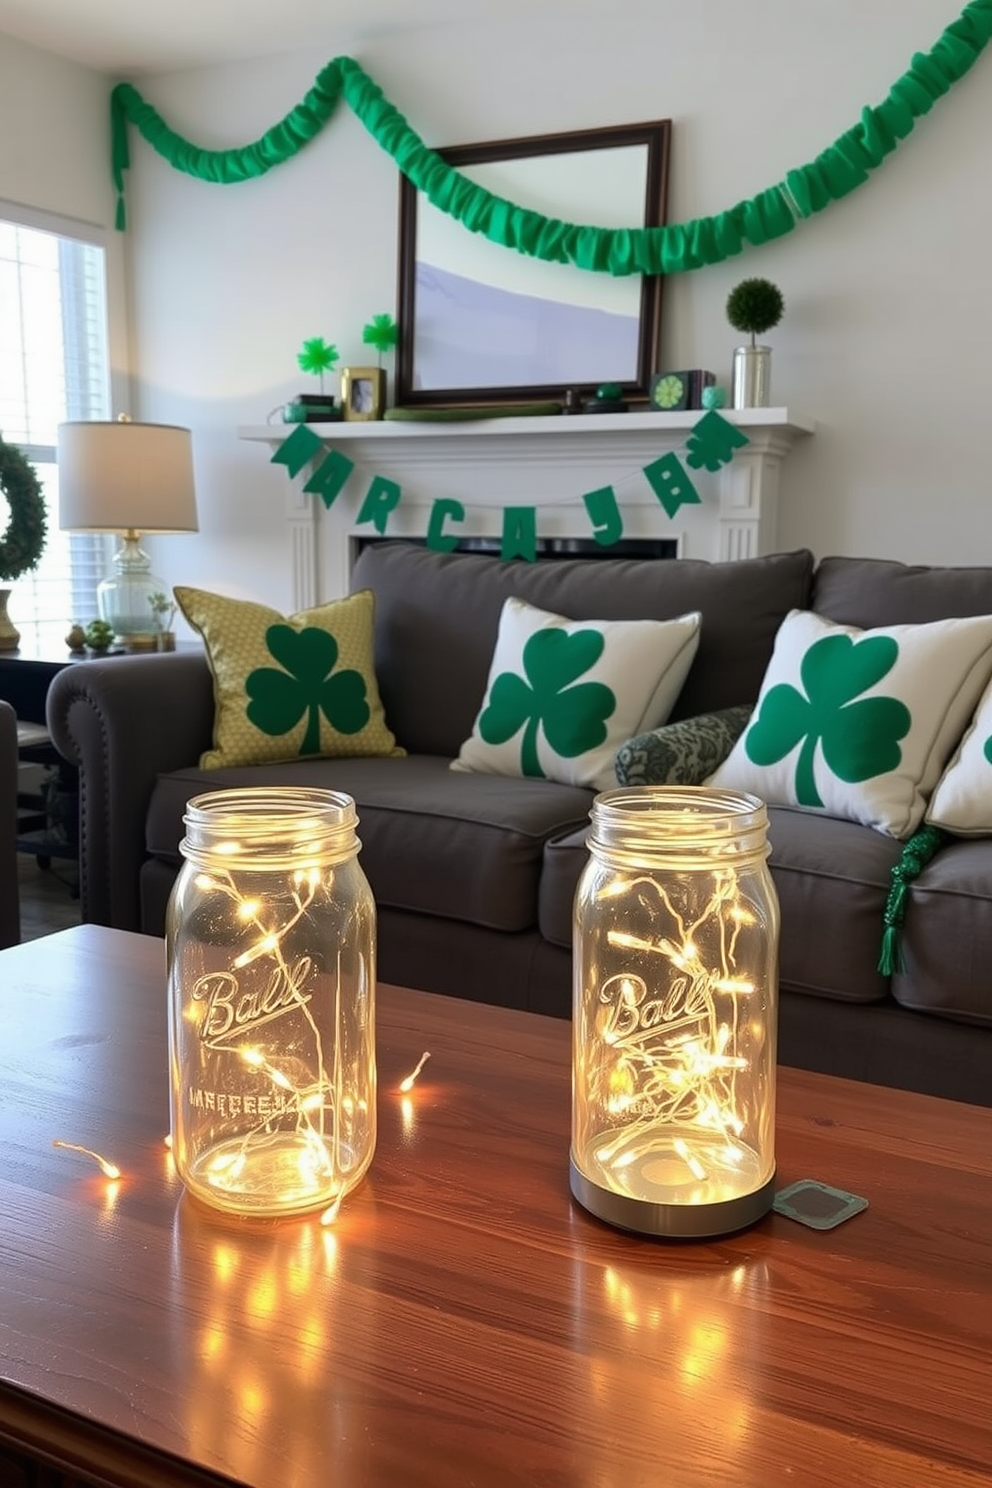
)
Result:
{"points": [[549, 463], [481, 323]]}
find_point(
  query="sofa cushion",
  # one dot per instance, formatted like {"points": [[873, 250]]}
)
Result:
{"points": [[682, 753], [563, 695], [447, 605], [860, 723], [945, 936], [962, 800], [435, 842], [880, 591], [832, 879], [286, 686]]}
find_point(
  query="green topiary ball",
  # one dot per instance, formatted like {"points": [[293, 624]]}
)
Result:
{"points": [[754, 306]]}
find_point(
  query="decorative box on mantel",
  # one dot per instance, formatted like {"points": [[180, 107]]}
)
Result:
{"points": [[548, 463]]}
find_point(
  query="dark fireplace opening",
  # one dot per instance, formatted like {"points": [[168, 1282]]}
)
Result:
{"points": [[550, 547]]}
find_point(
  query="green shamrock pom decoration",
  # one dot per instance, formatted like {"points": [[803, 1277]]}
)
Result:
{"points": [[317, 357], [755, 306], [382, 333]]}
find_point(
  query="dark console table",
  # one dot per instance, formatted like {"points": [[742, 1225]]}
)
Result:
{"points": [[48, 829]]}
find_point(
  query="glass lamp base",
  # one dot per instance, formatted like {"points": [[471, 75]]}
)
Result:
{"points": [[125, 600]]}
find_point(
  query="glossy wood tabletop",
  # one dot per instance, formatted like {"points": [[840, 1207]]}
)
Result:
{"points": [[464, 1322]]}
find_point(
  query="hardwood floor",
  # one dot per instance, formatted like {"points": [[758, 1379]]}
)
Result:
{"points": [[49, 897]]}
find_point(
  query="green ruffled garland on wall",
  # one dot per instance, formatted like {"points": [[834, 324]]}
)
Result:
{"points": [[671, 249]]}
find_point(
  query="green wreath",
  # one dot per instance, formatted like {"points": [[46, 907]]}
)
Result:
{"points": [[23, 543]]}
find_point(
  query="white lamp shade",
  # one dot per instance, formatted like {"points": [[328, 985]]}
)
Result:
{"points": [[123, 476]]}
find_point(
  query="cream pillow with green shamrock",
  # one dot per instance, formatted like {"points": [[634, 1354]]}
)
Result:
{"points": [[859, 723], [563, 695], [962, 801], [289, 686]]}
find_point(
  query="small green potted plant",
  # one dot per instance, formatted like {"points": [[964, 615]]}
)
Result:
{"points": [[99, 635], [754, 306]]}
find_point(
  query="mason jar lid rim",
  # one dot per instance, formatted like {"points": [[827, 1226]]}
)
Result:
{"points": [[286, 802]]}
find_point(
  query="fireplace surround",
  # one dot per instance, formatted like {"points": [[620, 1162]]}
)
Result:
{"points": [[548, 463]]}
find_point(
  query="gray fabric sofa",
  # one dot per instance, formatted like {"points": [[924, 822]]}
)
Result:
{"points": [[10, 912], [474, 875]]}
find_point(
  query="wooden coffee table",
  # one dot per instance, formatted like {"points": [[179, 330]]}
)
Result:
{"points": [[465, 1322]]}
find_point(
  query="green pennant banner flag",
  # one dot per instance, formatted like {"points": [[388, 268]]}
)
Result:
{"points": [[710, 444]]}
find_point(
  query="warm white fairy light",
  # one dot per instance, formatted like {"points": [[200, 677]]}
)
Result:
{"points": [[108, 1169], [407, 1085], [316, 1162], [330, 1214], [674, 1037]]}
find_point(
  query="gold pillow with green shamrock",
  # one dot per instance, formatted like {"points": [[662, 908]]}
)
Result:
{"points": [[289, 686]]}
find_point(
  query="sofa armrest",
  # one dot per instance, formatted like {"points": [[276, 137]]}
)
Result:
{"points": [[682, 753], [123, 721]]}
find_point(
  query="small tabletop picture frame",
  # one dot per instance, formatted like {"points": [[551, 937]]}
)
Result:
{"points": [[363, 393]]}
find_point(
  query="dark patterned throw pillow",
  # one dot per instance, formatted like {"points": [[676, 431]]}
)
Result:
{"points": [[683, 753]]}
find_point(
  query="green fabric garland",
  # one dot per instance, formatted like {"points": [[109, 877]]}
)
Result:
{"points": [[672, 249], [916, 854], [23, 543]]}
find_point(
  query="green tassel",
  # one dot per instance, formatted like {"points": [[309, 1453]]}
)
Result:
{"points": [[891, 960], [915, 856]]}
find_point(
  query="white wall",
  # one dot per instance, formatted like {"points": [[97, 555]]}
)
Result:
{"points": [[55, 157], [889, 306]]}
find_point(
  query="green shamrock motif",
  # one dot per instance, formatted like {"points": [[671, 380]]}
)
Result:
{"points": [[987, 750], [573, 716], [279, 699], [317, 357], [859, 739]]}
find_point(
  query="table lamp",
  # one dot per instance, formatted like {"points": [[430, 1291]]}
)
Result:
{"points": [[127, 478]]}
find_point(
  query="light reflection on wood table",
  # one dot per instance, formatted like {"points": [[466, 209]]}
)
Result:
{"points": [[465, 1322]]}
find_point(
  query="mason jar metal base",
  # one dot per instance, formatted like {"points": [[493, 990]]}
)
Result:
{"points": [[674, 1221]]}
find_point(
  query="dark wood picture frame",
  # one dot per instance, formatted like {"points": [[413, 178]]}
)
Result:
{"points": [[413, 389]]}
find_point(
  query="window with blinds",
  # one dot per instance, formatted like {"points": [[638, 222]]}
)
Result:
{"points": [[54, 365]]}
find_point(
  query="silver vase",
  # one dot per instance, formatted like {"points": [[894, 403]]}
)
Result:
{"points": [[752, 376]]}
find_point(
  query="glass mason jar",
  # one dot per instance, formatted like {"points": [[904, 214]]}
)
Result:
{"points": [[675, 1012], [270, 945]]}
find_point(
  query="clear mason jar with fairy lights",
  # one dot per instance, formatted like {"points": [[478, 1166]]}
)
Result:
{"points": [[675, 1009], [270, 944]]}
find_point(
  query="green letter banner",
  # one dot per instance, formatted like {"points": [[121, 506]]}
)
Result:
{"points": [[604, 514], [670, 483], [329, 477], [673, 249], [711, 443], [440, 512], [519, 533], [382, 497], [295, 451]]}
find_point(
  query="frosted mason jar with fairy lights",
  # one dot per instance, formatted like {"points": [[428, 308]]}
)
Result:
{"points": [[675, 1009], [270, 944]]}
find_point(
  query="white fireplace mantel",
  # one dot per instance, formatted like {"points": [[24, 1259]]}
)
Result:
{"points": [[548, 463]]}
